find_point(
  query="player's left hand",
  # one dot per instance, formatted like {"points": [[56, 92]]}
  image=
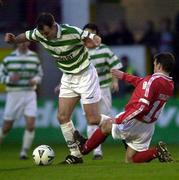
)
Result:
{"points": [[92, 43], [117, 73], [88, 43]]}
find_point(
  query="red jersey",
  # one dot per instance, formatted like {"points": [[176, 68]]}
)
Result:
{"points": [[149, 97]]}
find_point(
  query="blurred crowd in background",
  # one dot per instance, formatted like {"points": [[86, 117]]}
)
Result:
{"points": [[163, 37]]}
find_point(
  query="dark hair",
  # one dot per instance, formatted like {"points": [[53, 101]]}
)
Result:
{"points": [[166, 59], [92, 26], [45, 19]]}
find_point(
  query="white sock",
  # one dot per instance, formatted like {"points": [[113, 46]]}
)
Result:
{"points": [[27, 140], [68, 130], [90, 130]]}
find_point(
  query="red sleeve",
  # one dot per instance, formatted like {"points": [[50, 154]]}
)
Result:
{"points": [[134, 80], [142, 106]]}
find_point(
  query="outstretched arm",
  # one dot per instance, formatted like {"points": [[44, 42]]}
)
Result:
{"points": [[12, 39], [134, 80]]}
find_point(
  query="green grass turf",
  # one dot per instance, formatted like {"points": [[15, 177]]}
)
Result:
{"points": [[111, 167]]}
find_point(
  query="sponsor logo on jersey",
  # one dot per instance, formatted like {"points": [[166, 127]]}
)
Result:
{"points": [[65, 58]]}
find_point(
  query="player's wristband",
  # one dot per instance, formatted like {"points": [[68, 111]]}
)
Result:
{"points": [[86, 34], [91, 35]]}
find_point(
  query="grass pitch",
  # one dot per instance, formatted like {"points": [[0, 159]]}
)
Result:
{"points": [[111, 167]]}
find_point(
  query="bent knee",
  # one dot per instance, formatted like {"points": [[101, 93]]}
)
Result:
{"points": [[6, 130], [7, 126]]}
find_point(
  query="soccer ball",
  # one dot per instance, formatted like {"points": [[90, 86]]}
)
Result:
{"points": [[43, 155]]}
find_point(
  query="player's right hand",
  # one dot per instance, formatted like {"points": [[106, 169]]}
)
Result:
{"points": [[9, 38], [57, 89]]}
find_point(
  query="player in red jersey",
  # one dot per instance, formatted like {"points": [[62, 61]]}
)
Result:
{"points": [[136, 124]]}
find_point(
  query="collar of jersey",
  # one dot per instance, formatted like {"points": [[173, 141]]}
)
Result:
{"points": [[162, 74], [58, 31]]}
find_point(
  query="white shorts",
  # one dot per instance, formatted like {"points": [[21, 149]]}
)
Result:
{"points": [[136, 134], [105, 103], [84, 84], [20, 103]]}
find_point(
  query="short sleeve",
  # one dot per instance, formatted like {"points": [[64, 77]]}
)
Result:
{"points": [[30, 35]]}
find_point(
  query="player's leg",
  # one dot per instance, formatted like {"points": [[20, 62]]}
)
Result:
{"points": [[68, 98], [10, 113], [137, 136], [7, 125], [29, 109], [160, 151], [89, 89], [97, 152], [90, 97], [105, 108], [66, 107], [28, 137], [97, 137], [132, 156]]}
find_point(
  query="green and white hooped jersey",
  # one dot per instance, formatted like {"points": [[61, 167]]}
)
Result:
{"points": [[27, 66], [71, 56], [104, 60]]}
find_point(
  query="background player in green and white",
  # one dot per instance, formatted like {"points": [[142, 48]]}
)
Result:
{"points": [[21, 71], [104, 60], [67, 44]]}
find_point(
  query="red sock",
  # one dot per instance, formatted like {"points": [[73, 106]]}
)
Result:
{"points": [[94, 141], [145, 156]]}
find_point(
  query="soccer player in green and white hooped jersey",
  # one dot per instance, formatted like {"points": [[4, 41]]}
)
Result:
{"points": [[21, 72], [104, 60], [68, 45]]}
